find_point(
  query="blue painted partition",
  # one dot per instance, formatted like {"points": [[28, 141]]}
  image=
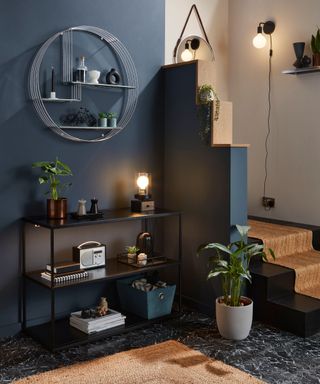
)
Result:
{"points": [[208, 184]]}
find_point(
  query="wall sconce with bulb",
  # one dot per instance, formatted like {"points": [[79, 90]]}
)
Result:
{"points": [[189, 52], [267, 27], [143, 199], [193, 44]]}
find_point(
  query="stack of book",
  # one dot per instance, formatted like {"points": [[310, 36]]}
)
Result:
{"points": [[91, 325], [64, 272]]}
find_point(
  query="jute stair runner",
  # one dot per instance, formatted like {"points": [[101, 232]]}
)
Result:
{"points": [[166, 363], [293, 249]]}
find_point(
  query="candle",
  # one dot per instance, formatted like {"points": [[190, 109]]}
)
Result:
{"points": [[52, 79]]}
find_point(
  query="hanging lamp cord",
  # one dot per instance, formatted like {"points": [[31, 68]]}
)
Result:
{"points": [[268, 122]]}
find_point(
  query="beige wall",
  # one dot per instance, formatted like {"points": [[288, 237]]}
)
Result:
{"points": [[294, 145], [294, 176], [214, 14]]}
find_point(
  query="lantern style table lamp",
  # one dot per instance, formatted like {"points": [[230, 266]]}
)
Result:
{"points": [[142, 201]]}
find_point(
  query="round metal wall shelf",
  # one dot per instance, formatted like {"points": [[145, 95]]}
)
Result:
{"points": [[130, 85]]}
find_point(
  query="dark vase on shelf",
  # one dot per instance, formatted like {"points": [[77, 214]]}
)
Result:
{"points": [[302, 60], [57, 209], [298, 50]]}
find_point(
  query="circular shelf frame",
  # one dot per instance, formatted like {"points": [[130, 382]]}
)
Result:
{"points": [[129, 71]]}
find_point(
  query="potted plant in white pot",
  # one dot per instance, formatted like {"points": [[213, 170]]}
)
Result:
{"points": [[234, 312], [52, 171], [132, 252]]}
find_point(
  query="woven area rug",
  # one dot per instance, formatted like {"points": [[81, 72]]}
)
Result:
{"points": [[166, 363], [293, 249]]}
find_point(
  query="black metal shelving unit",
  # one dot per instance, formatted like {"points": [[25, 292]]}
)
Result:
{"points": [[57, 333]]}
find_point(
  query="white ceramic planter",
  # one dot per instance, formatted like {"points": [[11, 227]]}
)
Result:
{"points": [[103, 122], [234, 323], [112, 122]]}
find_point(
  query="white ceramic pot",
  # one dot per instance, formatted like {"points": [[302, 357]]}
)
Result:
{"points": [[93, 76], [112, 122], [234, 323], [103, 122]]}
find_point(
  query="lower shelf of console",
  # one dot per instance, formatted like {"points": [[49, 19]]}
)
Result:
{"points": [[63, 335]]}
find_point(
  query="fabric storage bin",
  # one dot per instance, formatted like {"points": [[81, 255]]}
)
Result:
{"points": [[148, 305]]}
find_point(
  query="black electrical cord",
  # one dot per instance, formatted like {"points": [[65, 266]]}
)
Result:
{"points": [[268, 123]]}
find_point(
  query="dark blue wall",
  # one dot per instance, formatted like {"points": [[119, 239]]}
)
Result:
{"points": [[104, 170], [209, 185]]}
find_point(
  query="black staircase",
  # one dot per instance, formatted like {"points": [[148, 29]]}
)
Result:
{"points": [[275, 301]]}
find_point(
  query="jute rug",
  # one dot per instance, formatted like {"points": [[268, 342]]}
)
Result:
{"points": [[167, 363], [293, 249]]}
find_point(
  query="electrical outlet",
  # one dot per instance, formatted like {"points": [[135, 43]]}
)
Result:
{"points": [[268, 202]]}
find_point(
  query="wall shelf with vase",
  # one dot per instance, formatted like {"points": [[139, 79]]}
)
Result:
{"points": [[301, 71], [115, 52]]}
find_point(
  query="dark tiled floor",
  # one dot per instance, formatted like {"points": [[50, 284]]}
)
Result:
{"points": [[269, 354]]}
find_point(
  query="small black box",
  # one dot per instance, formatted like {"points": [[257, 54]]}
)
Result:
{"points": [[142, 205]]}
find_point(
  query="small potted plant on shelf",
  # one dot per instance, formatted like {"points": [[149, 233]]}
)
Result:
{"points": [[315, 47], [103, 119], [132, 252], [233, 311], [52, 171], [112, 119]]}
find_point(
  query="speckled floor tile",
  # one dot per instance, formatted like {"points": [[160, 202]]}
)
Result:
{"points": [[269, 354]]}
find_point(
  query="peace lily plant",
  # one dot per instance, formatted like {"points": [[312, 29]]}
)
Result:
{"points": [[231, 262], [235, 270]]}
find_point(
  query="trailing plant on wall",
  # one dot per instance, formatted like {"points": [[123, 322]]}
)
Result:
{"points": [[208, 100]]}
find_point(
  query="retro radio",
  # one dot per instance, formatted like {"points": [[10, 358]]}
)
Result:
{"points": [[90, 254]]}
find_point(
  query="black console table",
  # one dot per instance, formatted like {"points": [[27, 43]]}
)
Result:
{"points": [[57, 333]]}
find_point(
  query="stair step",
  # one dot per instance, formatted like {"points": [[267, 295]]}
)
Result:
{"points": [[271, 280], [296, 313], [276, 302], [298, 302]]}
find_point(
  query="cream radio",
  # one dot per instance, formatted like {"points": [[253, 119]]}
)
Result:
{"points": [[90, 254]]}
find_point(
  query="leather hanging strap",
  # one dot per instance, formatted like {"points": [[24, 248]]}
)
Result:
{"points": [[193, 7]]}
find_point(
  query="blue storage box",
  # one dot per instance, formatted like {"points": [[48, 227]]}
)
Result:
{"points": [[148, 305]]}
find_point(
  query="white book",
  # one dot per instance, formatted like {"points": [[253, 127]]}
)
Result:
{"points": [[96, 326], [98, 329], [110, 316], [65, 278]]}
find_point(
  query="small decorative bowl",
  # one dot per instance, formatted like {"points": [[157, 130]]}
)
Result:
{"points": [[93, 76]]}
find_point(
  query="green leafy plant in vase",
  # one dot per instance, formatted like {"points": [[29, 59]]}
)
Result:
{"points": [[52, 171], [231, 263], [207, 100], [103, 119], [315, 47], [132, 252], [112, 119]]}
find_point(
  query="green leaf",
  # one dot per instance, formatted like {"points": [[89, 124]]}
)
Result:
{"points": [[243, 230], [272, 253], [43, 179]]}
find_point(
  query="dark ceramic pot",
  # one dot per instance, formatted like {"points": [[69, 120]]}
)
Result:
{"points": [[57, 209], [316, 59]]}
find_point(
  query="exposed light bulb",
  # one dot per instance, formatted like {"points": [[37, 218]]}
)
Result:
{"points": [[143, 182], [259, 41], [186, 55]]}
